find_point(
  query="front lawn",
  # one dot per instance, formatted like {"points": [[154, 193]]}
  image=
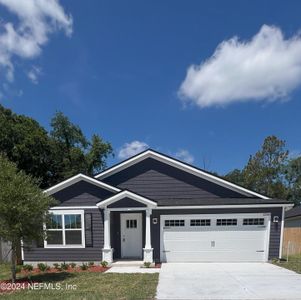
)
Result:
{"points": [[87, 285], [293, 263]]}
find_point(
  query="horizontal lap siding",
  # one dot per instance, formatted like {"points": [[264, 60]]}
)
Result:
{"points": [[274, 230], [81, 193], [159, 181], [73, 254]]}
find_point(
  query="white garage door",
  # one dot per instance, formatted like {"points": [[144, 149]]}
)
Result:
{"points": [[215, 238]]}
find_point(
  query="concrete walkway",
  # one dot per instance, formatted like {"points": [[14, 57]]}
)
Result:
{"points": [[130, 266], [226, 281], [132, 270]]}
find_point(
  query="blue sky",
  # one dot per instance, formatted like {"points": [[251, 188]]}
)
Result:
{"points": [[119, 74]]}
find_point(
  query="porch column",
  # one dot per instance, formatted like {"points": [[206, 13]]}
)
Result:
{"points": [[148, 250], [107, 251]]}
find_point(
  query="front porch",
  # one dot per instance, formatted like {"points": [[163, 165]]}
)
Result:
{"points": [[127, 227]]}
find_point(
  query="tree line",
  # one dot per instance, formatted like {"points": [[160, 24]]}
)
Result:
{"points": [[64, 151], [271, 171], [54, 155]]}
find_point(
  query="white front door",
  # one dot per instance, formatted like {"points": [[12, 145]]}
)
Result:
{"points": [[131, 235]]}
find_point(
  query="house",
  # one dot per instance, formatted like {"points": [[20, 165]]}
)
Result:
{"points": [[156, 208], [5, 255], [292, 231]]}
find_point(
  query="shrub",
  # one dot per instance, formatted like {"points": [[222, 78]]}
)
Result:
{"points": [[57, 266], [72, 265], [64, 266], [18, 269], [104, 264], [28, 268], [84, 267], [147, 264], [91, 263], [42, 267]]}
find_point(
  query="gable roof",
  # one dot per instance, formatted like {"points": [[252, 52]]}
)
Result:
{"points": [[79, 177], [126, 194], [180, 165], [294, 212]]}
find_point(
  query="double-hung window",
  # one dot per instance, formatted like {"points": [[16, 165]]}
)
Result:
{"points": [[65, 229]]}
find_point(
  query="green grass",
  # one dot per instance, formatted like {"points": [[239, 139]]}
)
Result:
{"points": [[293, 263], [88, 286]]}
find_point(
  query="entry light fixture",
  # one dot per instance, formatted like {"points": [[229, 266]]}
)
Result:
{"points": [[155, 221], [275, 219]]}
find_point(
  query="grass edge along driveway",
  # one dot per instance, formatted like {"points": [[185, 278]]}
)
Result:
{"points": [[293, 263]]}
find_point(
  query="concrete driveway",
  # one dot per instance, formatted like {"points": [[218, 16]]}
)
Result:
{"points": [[227, 281]]}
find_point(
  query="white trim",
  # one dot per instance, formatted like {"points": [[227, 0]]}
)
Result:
{"points": [[224, 206], [62, 213], [22, 250], [266, 216], [180, 165], [127, 208], [76, 179], [128, 194], [73, 207], [268, 237], [281, 232]]}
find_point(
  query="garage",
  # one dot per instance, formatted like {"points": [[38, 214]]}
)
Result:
{"points": [[215, 238]]}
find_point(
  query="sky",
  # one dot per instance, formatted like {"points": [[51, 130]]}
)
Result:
{"points": [[203, 81]]}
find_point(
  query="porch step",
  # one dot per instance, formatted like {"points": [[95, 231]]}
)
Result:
{"points": [[127, 263]]}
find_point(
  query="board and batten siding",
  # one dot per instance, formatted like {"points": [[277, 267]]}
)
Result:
{"points": [[275, 228]]}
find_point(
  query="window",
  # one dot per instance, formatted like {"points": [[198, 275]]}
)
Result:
{"points": [[226, 222], [174, 223], [131, 223], [65, 229], [200, 222], [253, 221]]}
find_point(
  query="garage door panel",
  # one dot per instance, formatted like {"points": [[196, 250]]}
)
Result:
{"points": [[213, 243], [213, 256]]}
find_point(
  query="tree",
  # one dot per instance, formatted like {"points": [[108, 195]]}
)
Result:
{"points": [[50, 157], [293, 178], [23, 208], [263, 172], [26, 143], [72, 152], [236, 176]]}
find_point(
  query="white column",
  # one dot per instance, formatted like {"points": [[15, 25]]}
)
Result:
{"points": [[107, 251], [148, 250]]}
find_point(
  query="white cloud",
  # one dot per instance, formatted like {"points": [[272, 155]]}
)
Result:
{"points": [[33, 74], [185, 156], [266, 68], [131, 149], [37, 20]]}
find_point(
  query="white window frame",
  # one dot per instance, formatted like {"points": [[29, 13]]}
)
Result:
{"points": [[63, 213]]}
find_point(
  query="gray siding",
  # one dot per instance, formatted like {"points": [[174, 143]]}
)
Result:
{"points": [[159, 181], [274, 232], [72, 254], [293, 222], [126, 202], [81, 193]]}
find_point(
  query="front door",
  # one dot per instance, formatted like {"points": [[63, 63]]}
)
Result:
{"points": [[131, 235]]}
